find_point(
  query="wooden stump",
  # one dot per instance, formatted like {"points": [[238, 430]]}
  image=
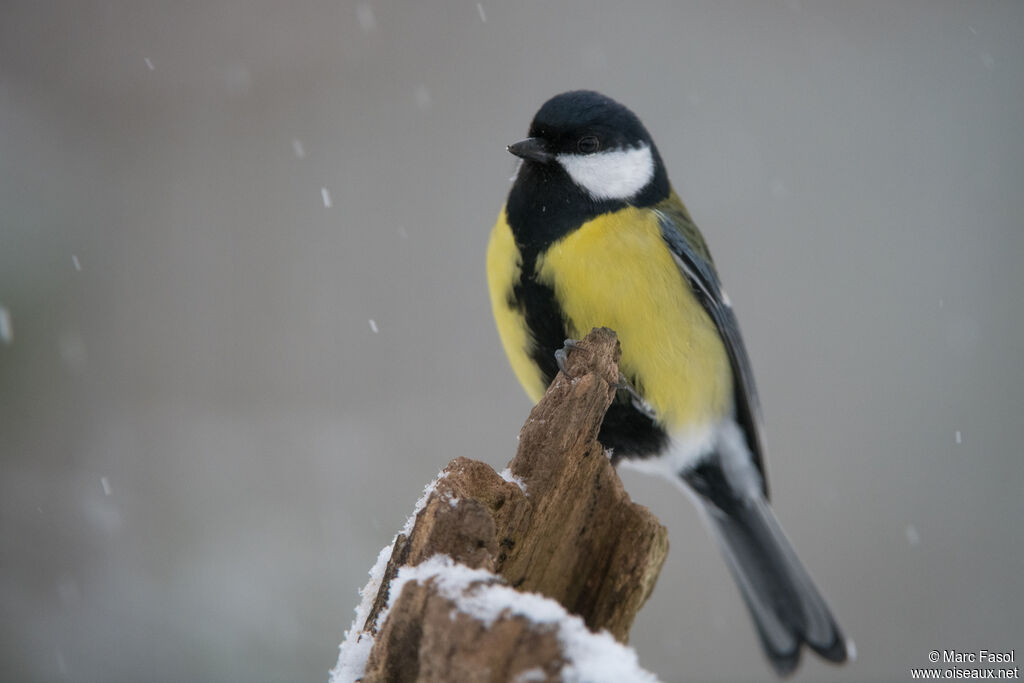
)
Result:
{"points": [[557, 523]]}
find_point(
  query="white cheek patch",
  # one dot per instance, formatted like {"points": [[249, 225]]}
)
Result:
{"points": [[617, 174]]}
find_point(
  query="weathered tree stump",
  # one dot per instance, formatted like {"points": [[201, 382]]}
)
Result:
{"points": [[557, 523]]}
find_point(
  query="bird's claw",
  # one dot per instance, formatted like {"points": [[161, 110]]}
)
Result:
{"points": [[638, 401], [562, 354]]}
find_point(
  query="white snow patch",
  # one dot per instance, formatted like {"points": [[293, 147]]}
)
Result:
{"points": [[481, 12], [326, 196], [298, 148], [592, 657], [356, 646], [373, 326], [450, 578], [352, 656], [913, 538], [366, 18], [149, 63], [531, 675], [422, 502], [958, 436], [447, 497], [598, 657], [507, 475], [105, 483], [6, 331], [75, 262]]}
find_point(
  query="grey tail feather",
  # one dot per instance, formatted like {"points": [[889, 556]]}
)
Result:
{"points": [[787, 609]]}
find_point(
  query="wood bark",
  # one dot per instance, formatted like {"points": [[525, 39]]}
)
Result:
{"points": [[573, 536]]}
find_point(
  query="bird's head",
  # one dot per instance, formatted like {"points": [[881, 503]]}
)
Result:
{"points": [[601, 146]]}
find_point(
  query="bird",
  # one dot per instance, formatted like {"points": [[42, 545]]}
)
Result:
{"points": [[592, 234]]}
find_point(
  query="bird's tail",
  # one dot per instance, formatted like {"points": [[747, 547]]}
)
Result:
{"points": [[788, 610]]}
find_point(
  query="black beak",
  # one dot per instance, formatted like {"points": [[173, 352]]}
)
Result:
{"points": [[532, 149]]}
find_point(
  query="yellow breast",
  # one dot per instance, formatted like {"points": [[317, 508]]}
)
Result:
{"points": [[616, 271]]}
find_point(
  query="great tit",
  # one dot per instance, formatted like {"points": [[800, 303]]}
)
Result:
{"points": [[593, 235]]}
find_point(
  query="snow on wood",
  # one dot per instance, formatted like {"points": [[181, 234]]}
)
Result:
{"points": [[519, 575]]}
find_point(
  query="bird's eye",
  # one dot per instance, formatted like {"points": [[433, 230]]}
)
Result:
{"points": [[588, 144]]}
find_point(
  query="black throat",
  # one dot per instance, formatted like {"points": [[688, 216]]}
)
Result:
{"points": [[545, 205]]}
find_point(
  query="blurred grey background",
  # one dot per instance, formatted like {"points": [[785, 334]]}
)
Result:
{"points": [[241, 259]]}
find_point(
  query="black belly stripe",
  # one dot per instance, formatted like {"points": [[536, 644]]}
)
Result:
{"points": [[544, 319], [630, 433], [627, 431]]}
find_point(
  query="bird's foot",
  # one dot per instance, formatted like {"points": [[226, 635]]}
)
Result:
{"points": [[638, 401], [562, 354]]}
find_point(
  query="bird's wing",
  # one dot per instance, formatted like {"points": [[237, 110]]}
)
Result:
{"points": [[694, 260]]}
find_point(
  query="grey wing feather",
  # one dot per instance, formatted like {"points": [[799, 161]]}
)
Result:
{"points": [[702, 277]]}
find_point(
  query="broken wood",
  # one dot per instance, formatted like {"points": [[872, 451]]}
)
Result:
{"points": [[558, 523]]}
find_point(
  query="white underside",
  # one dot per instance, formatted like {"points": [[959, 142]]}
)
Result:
{"points": [[688, 447], [615, 174]]}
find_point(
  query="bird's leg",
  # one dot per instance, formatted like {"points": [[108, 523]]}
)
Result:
{"points": [[562, 354], [641, 404]]}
